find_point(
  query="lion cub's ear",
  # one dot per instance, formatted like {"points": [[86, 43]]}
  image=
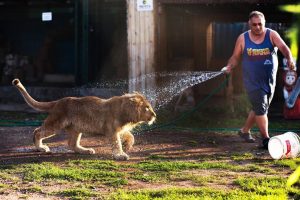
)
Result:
{"points": [[136, 100]]}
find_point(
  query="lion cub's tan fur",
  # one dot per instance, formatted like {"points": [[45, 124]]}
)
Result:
{"points": [[113, 117]]}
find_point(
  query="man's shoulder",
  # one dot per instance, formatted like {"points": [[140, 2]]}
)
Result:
{"points": [[245, 32], [271, 30], [242, 36], [273, 33]]}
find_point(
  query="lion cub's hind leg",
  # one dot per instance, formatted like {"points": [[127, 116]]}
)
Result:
{"points": [[127, 140], [74, 143], [51, 125]]}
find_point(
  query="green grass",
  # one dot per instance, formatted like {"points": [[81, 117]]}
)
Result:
{"points": [[197, 179], [94, 164], [241, 157], [150, 177], [77, 193], [7, 177], [263, 185], [32, 189], [169, 166], [193, 194], [81, 179], [73, 172], [157, 157], [3, 185], [291, 163]]}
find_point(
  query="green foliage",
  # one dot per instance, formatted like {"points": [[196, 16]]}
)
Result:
{"points": [[292, 8], [294, 177]]}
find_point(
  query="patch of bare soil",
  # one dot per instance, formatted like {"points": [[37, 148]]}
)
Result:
{"points": [[16, 146]]}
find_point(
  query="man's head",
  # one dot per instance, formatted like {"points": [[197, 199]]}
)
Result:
{"points": [[257, 22]]}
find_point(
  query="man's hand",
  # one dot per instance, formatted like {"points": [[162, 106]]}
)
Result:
{"points": [[226, 69], [291, 65]]}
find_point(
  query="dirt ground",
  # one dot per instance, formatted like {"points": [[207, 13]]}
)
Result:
{"points": [[16, 146]]}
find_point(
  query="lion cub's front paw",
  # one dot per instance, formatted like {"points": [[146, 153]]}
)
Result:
{"points": [[44, 148], [120, 156], [86, 151], [127, 147], [91, 151]]}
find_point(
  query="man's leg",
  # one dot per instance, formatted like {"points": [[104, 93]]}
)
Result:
{"points": [[249, 122], [260, 102], [262, 122], [245, 130]]}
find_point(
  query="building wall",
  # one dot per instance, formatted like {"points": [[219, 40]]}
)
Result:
{"points": [[141, 44]]}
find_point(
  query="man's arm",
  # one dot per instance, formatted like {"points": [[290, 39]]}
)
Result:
{"points": [[283, 48], [236, 55]]}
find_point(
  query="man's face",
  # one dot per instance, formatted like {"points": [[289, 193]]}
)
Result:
{"points": [[257, 25]]}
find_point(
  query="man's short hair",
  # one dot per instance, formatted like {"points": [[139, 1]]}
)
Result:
{"points": [[256, 14]]}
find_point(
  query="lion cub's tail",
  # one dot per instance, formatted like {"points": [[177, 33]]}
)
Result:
{"points": [[40, 106]]}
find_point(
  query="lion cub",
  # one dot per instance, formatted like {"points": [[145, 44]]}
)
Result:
{"points": [[113, 117]]}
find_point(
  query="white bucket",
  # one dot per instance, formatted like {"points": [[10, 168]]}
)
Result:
{"points": [[286, 145]]}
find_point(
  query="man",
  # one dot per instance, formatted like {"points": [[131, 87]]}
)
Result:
{"points": [[257, 49]]}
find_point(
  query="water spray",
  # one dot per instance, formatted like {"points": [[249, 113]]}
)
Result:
{"points": [[167, 84], [172, 84]]}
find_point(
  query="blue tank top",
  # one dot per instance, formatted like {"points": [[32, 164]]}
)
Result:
{"points": [[260, 64]]}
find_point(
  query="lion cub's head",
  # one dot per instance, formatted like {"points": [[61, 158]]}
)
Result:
{"points": [[138, 109]]}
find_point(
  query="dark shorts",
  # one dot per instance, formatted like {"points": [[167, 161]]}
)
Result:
{"points": [[260, 101]]}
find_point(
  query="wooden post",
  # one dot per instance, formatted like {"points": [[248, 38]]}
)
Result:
{"points": [[81, 42], [140, 29]]}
